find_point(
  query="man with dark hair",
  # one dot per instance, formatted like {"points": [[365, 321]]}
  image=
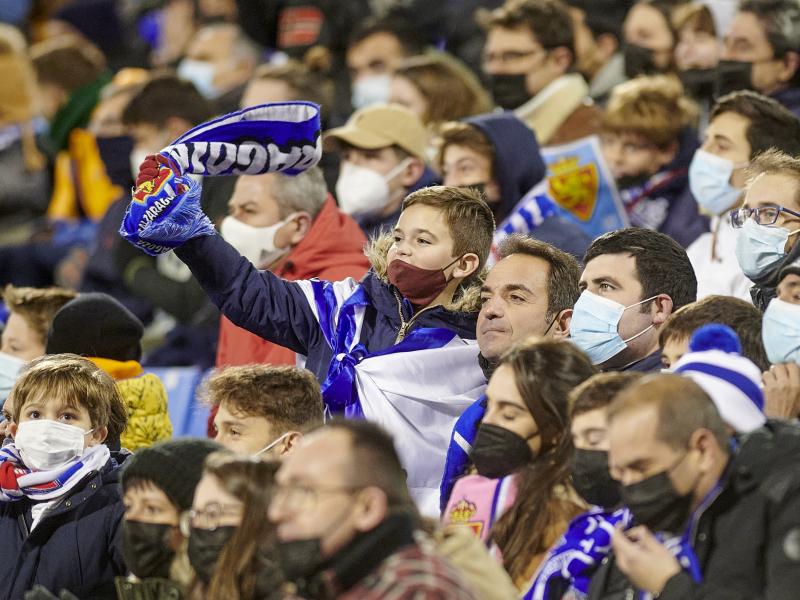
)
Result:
{"points": [[375, 49], [768, 223], [742, 125], [529, 53], [262, 408], [732, 512], [762, 51], [633, 280], [345, 487]]}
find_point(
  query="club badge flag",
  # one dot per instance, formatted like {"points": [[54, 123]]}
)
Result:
{"points": [[165, 210], [578, 186]]}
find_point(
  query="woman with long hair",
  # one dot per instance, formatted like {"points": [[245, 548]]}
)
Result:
{"points": [[521, 499], [231, 541]]}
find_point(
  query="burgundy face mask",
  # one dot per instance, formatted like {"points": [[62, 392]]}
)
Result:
{"points": [[419, 286]]}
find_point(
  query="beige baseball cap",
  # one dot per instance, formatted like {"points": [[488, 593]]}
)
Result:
{"points": [[382, 125]]}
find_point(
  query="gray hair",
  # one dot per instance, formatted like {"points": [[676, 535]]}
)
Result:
{"points": [[304, 192]]}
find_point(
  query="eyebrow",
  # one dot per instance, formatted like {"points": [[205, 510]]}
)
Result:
{"points": [[602, 278], [509, 403], [418, 232]]}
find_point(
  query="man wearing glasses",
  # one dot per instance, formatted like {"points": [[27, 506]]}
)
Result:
{"points": [[768, 223]]}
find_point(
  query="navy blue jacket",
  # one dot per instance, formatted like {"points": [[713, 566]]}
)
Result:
{"points": [[278, 311], [77, 544], [790, 98]]}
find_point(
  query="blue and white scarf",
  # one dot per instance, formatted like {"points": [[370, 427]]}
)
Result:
{"points": [[165, 211], [529, 213]]}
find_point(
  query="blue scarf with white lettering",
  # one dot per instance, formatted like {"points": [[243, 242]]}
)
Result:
{"points": [[165, 210]]}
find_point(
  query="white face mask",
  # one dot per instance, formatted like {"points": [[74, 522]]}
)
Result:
{"points": [[45, 445], [201, 74], [256, 244], [362, 192], [373, 89], [272, 444], [10, 366]]}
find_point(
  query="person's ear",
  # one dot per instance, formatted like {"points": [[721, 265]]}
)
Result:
{"points": [[370, 508], [561, 59], [466, 266], [660, 309], [607, 45], [99, 436], [790, 63], [300, 226], [560, 328], [12, 429], [492, 193], [289, 443], [707, 448], [175, 539], [413, 171]]}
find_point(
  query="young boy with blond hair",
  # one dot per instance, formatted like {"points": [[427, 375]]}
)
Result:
{"points": [[60, 502]]}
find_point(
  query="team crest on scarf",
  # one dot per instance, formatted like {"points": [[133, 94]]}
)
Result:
{"points": [[462, 513]]}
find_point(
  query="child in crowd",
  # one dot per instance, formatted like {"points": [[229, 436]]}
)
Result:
{"points": [[264, 410], [99, 327], [521, 499], [231, 541], [60, 502], [648, 137], [158, 484]]}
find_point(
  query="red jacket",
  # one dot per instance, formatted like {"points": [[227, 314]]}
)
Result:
{"points": [[333, 250]]}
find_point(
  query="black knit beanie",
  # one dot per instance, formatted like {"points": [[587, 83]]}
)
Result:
{"points": [[174, 466], [97, 325]]}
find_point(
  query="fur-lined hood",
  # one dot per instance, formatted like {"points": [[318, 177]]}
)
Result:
{"points": [[467, 298]]}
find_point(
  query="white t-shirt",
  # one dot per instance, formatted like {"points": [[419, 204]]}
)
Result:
{"points": [[720, 274]]}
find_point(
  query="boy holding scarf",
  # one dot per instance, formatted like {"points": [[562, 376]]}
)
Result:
{"points": [[60, 503]]}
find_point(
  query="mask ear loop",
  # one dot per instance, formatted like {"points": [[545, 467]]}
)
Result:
{"points": [[630, 339]]}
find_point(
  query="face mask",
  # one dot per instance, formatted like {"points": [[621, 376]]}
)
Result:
{"points": [[732, 76], [362, 192], [419, 286], [595, 326], [655, 503], [45, 445], [591, 479], [271, 445], [626, 182], [498, 452], [205, 547], [638, 61], [201, 74], [699, 83], [509, 91], [373, 89], [709, 181], [256, 244], [300, 559], [10, 366], [760, 247], [115, 152], [780, 331], [145, 547]]}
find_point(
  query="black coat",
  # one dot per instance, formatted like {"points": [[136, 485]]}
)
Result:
{"points": [[748, 540], [75, 546]]}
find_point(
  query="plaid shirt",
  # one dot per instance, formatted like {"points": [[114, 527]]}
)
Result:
{"points": [[413, 573]]}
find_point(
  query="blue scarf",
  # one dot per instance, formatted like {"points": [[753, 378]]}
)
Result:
{"points": [[461, 440], [165, 211]]}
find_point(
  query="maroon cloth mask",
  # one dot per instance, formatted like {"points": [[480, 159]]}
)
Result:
{"points": [[419, 286]]}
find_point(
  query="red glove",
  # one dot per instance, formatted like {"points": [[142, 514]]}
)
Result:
{"points": [[153, 172]]}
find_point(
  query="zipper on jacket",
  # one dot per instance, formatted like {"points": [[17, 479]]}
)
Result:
{"points": [[406, 325]]}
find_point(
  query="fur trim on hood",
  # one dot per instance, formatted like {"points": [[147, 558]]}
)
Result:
{"points": [[467, 298]]}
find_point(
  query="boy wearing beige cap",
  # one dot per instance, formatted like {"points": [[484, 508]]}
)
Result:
{"points": [[383, 149]]}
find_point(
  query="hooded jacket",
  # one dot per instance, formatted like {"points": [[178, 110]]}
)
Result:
{"points": [[790, 98], [284, 312], [76, 545], [332, 250]]}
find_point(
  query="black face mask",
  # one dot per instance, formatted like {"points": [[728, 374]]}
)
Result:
{"points": [[699, 83], [655, 503], [497, 452], [591, 479], [145, 547], [300, 559], [509, 91], [205, 546], [732, 76], [115, 152], [638, 61], [632, 181]]}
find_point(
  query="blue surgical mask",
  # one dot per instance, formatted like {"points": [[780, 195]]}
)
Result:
{"points": [[10, 366], [595, 326], [709, 181], [201, 74], [780, 330], [372, 89], [760, 247]]}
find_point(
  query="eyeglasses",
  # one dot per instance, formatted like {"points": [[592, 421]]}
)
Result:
{"points": [[209, 518], [763, 215], [305, 497]]}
